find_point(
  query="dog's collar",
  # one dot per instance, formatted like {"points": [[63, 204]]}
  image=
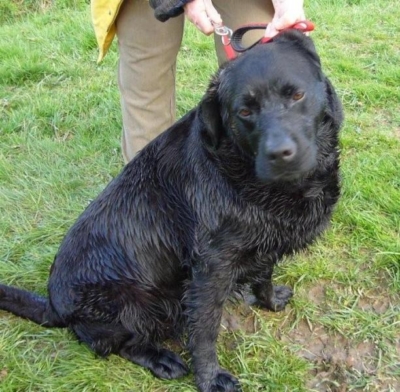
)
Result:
{"points": [[232, 40]]}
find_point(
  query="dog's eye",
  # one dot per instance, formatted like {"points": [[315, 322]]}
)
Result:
{"points": [[245, 112], [297, 96]]}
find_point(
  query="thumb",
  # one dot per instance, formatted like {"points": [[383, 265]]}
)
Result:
{"points": [[271, 31]]}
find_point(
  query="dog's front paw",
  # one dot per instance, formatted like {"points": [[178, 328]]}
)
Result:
{"points": [[282, 295], [278, 300], [221, 382]]}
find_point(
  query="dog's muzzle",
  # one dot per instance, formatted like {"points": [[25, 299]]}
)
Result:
{"points": [[282, 159]]}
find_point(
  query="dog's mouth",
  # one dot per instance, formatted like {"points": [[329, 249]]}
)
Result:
{"points": [[298, 170], [286, 176]]}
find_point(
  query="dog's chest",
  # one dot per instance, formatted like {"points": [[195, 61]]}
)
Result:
{"points": [[286, 223]]}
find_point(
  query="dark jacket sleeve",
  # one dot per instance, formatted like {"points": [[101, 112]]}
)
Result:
{"points": [[165, 9]]}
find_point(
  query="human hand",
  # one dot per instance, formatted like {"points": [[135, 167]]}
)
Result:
{"points": [[203, 15], [287, 13]]}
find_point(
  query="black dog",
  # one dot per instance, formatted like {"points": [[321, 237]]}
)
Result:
{"points": [[250, 175]]}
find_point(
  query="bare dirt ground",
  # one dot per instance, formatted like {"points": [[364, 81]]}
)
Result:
{"points": [[338, 363]]}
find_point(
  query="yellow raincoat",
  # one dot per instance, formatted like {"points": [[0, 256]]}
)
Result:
{"points": [[104, 14]]}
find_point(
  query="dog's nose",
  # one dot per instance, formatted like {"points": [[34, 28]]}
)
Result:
{"points": [[282, 152]]}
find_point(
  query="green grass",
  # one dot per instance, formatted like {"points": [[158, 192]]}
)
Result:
{"points": [[60, 130]]}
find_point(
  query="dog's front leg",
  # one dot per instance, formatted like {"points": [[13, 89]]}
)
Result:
{"points": [[206, 295]]}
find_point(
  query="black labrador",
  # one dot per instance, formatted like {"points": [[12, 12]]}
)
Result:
{"points": [[248, 176]]}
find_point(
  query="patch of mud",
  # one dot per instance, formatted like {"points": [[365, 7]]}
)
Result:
{"points": [[238, 315], [339, 364], [3, 373], [317, 294], [334, 357], [374, 303], [397, 133], [319, 346]]}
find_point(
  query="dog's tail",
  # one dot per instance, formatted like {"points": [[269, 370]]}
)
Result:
{"points": [[29, 306]]}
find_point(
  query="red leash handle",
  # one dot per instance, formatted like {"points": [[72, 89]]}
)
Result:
{"points": [[304, 26]]}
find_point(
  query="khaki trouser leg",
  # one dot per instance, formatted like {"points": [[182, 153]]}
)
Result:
{"points": [[148, 51], [146, 74]]}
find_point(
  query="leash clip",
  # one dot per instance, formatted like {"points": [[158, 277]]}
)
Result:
{"points": [[226, 34], [223, 31]]}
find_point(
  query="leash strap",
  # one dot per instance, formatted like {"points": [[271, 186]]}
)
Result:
{"points": [[240, 32]]}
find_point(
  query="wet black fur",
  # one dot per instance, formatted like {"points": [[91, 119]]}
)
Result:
{"points": [[248, 176]]}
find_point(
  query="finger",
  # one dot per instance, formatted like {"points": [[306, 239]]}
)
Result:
{"points": [[212, 13], [288, 19], [196, 13], [204, 24]]}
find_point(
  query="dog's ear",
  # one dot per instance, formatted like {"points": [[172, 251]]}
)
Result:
{"points": [[333, 110], [210, 113], [306, 44]]}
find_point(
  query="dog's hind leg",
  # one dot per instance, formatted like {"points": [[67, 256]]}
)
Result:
{"points": [[105, 339], [161, 362]]}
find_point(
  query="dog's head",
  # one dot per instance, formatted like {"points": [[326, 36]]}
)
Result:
{"points": [[275, 103]]}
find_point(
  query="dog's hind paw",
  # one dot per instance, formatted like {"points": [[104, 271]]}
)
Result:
{"points": [[222, 382], [168, 365], [161, 362]]}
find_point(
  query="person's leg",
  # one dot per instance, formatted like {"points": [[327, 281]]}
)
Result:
{"points": [[146, 74], [236, 13]]}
